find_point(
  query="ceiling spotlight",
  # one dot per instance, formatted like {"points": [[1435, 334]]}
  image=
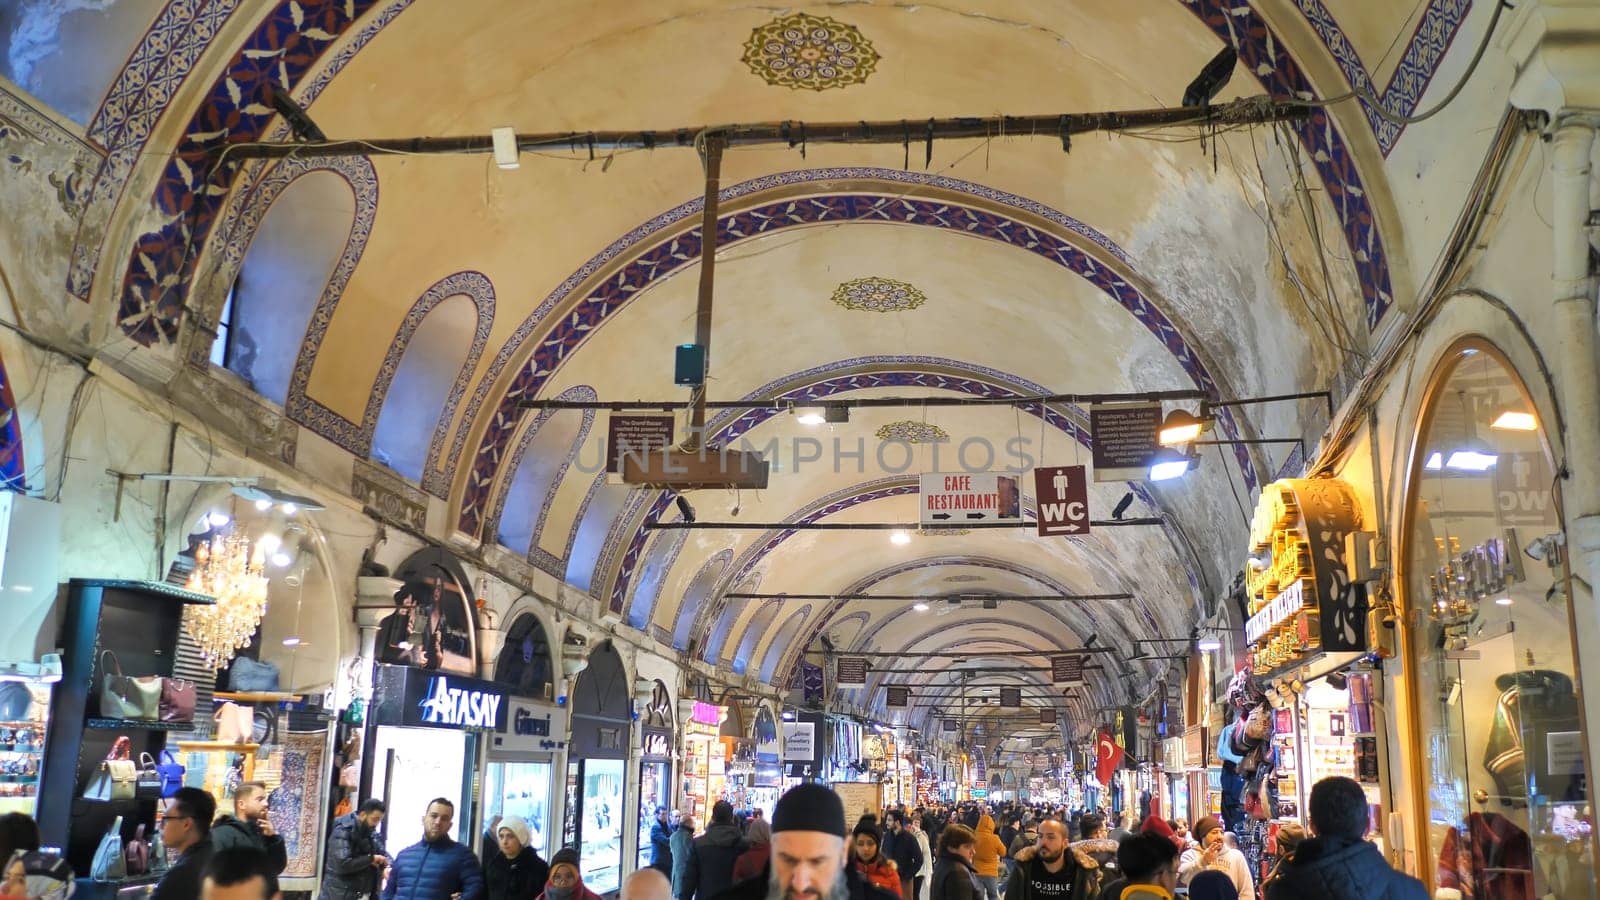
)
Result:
{"points": [[263, 505], [289, 509], [900, 537], [269, 543], [1504, 601], [684, 509], [1169, 464], [291, 642], [281, 559], [1515, 420], [217, 518], [1181, 427], [1212, 78], [811, 417], [1208, 645], [1122, 506], [505, 147], [919, 606]]}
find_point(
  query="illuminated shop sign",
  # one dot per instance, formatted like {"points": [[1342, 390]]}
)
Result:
{"points": [[414, 697], [532, 726], [460, 706], [1301, 600], [706, 714]]}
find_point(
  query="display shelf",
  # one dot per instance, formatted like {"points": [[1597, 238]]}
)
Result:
{"points": [[136, 725], [258, 696]]}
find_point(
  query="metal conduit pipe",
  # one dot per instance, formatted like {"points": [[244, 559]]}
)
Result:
{"points": [[1578, 380]]}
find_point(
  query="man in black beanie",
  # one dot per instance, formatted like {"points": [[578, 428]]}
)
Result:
{"points": [[810, 856]]}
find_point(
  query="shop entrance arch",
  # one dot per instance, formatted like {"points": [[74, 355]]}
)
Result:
{"points": [[597, 768]]}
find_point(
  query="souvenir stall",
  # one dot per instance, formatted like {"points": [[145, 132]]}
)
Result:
{"points": [[523, 756], [844, 750], [602, 720], [738, 751], [705, 761], [1290, 708], [655, 763], [1488, 599]]}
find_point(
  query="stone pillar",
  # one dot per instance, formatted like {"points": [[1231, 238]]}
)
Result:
{"points": [[374, 600], [1555, 45]]}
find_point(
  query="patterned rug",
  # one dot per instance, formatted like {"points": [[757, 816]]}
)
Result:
{"points": [[297, 803]]}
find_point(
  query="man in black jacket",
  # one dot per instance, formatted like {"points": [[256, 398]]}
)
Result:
{"points": [[249, 827], [810, 857], [186, 832], [356, 857], [1054, 869], [711, 861], [905, 852], [1339, 864]]}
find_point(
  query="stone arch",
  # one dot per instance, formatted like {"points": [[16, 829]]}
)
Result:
{"points": [[698, 593], [562, 461]]}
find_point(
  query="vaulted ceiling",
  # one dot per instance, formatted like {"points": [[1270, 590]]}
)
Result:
{"points": [[402, 305]]}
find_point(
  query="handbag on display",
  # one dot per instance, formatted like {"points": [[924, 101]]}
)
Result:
{"points": [[235, 723], [177, 700], [117, 776], [350, 775], [252, 676], [137, 854], [109, 863], [126, 696], [148, 783], [172, 773]]}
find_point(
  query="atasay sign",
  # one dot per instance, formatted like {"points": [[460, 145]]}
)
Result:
{"points": [[461, 707]]}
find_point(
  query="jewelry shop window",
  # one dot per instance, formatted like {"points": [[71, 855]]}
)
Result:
{"points": [[1502, 765]]}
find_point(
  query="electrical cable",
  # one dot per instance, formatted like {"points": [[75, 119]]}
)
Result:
{"points": [[1376, 105]]}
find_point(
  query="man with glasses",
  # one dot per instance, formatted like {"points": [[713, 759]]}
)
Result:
{"points": [[186, 833]]}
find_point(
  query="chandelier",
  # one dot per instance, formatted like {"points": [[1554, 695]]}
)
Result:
{"points": [[230, 568]]}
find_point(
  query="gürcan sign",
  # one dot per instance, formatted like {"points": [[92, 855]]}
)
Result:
{"points": [[530, 726], [414, 697]]}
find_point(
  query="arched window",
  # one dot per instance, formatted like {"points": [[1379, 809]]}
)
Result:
{"points": [[300, 241], [524, 662], [541, 460], [722, 629], [780, 643], [422, 383], [753, 630], [696, 596], [647, 584]]}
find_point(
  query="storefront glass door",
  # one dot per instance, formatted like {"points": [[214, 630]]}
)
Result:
{"points": [[426, 763], [594, 820], [520, 789]]}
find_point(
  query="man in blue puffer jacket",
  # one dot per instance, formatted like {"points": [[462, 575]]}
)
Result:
{"points": [[436, 867], [1339, 864]]}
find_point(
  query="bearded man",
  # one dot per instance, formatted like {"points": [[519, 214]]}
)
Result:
{"points": [[810, 856], [1053, 870]]}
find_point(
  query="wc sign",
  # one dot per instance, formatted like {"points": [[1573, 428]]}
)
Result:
{"points": [[1062, 495]]}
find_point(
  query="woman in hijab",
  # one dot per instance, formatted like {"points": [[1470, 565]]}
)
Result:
{"points": [[516, 872], [753, 862], [868, 858], [566, 882]]}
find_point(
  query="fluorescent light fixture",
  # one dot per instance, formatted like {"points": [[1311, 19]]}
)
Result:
{"points": [[291, 642], [1515, 420], [505, 147], [1208, 645], [217, 518], [1435, 461], [811, 418], [900, 537], [1182, 427], [263, 505], [289, 509], [1504, 601], [1468, 460], [1169, 465], [919, 606]]}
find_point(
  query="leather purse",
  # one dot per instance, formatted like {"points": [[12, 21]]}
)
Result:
{"points": [[125, 696], [109, 863], [117, 776], [252, 676], [177, 700], [235, 723], [172, 773], [137, 854], [148, 783]]}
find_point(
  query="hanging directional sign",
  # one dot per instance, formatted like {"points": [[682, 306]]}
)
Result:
{"points": [[1046, 717], [636, 436], [949, 724], [1011, 698], [1062, 493], [897, 696], [1066, 669], [851, 670], [958, 498]]}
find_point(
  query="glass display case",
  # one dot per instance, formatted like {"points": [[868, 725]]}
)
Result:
{"points": [[520, 789], [24, 722], [594, 820]]}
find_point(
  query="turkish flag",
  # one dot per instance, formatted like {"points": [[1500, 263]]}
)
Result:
{"points": [[1107, 757]]}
